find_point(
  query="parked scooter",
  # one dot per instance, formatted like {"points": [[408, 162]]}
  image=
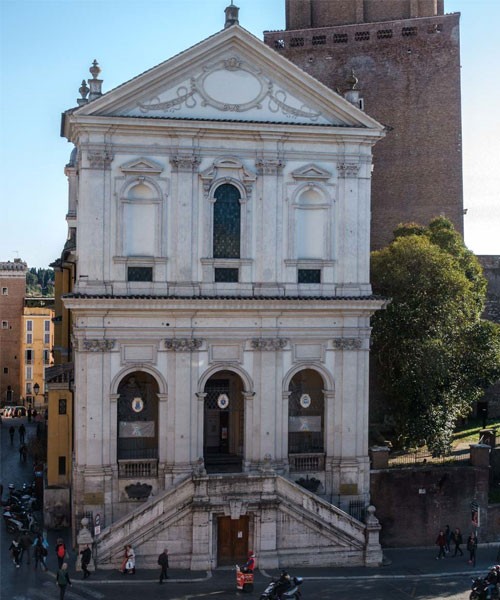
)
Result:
{"points": [[287, 586], [17, 523]]}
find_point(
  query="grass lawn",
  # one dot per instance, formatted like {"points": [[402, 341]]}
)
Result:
{"points": [[469, 433]]}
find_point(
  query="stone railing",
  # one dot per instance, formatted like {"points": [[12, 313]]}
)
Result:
{"points": [[305, 463], [131, 469]]}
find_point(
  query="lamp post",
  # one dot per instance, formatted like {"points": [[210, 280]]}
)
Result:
{"points": [[36, 389]]}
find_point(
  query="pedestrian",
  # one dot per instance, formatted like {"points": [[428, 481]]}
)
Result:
{"points": [[458, 541], [12, 431], [60, 552], [25, 541], [63, 580], [29, 414], [441, 543], [163, 562], [23, 452], [22, 433], [128, 563], [40, 551], [15, 551], [86, 555], [447, 538], [471, 548]]}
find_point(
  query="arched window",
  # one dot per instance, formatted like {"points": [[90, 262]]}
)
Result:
{"points": [[227, 222], [137, 417], [306, 413]]}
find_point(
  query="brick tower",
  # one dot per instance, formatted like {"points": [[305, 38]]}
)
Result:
{"points": [[405, 55]]}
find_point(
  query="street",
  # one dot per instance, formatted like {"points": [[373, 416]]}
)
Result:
{"points": [[418, 581]]}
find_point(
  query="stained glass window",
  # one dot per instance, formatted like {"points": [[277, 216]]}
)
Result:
{"points": [[227, 217]]}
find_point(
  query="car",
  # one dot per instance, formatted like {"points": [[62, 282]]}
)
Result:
{"points": [[19, 411], [7, 410]]}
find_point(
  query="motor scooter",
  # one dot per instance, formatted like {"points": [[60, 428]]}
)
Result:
{"points": [[479, 590], [292, 593]]}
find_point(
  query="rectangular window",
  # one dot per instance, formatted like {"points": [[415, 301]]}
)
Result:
{"points": [[46, 338], [29, 338], [319, 40], [29, 372], [226, 275], [309, 276], [6, 370], [29, 325], [28, 388], [5, 291], [384, 34], [46, 357], [46, 326], [62, 406], [30, 356], [140, 274], [340, 38], [62, 465], [5, 324]]}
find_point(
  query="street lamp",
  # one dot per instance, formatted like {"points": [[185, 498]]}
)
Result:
{"points": [[36, 389]]}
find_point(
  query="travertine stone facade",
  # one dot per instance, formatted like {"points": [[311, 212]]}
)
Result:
{"points": [[406, 57], [221, 311]]}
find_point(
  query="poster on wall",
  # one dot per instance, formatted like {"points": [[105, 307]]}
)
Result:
{"points": [[136, 429]]}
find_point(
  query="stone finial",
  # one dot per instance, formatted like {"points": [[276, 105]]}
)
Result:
{"points": [[352, 93], [95, 83], [84, 92], [231, 12]]}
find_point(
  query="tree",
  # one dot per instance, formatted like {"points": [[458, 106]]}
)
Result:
{"points": [[434, 355]]}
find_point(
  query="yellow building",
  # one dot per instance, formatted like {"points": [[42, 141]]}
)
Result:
{"points": [[37, 340], [59, 382]]}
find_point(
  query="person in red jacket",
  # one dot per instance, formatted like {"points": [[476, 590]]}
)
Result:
{"points": [[441, 543]]}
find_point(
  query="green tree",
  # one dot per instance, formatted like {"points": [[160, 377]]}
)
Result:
{"points": [[434, 355]]}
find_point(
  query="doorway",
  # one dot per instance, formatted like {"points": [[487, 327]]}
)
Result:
{"points": [[232, 540], [223, 423]]}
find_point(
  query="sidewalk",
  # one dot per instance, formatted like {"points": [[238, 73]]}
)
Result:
{"points": [[399, 562]]}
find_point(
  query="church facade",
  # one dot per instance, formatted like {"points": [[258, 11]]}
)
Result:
{"points": [[220, 208]]}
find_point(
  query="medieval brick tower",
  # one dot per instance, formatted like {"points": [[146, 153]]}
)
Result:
{"points": [[405, 56]]}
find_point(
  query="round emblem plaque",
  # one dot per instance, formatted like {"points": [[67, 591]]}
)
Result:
{"points": [[223, 401], [305, 401], [137, 405]]}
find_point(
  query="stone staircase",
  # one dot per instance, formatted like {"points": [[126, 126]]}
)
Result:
{"points": [[291, 526]]}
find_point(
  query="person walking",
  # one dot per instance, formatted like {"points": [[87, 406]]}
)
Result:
{"points": [[15, 551], [163, 562], [60, 552], [22, 433], [12, 431], [441, 543], [458, 541], [25, 541], [447, 538], [40, 551], [86, 555], [471, 548], [63, 580], [23, 452]]}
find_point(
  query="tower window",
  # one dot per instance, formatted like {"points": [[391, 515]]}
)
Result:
{"points": [[340, 38], [296, 42], [361, 36], [383, 34], [319, 40]]}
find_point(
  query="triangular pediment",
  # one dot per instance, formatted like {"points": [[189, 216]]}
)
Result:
{"points": [[311, 172], [231, 76], [142, 166]]}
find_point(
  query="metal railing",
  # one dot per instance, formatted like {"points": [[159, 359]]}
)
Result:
{"points": [[424, 457]]}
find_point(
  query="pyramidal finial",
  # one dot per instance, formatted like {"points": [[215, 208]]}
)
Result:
{"points": [[232, 13]]}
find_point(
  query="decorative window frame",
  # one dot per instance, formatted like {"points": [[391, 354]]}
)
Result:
{"points": [[227, 170]]}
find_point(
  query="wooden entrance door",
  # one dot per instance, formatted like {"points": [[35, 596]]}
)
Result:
{"points": [[232, 545]]}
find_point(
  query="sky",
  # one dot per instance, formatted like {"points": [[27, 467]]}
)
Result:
{"points": [[47, 47]]}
